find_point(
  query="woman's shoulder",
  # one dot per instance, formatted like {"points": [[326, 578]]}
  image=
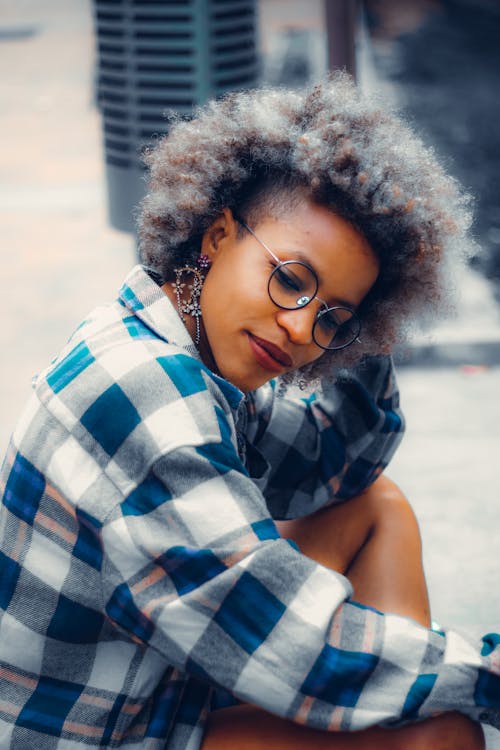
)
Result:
{"points": [[117, 374]]}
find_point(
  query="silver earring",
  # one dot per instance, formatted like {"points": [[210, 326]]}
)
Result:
{"points": [[191, 305]]}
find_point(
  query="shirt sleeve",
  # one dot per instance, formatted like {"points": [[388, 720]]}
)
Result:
{"points": [[195, 569], [307, 453]]}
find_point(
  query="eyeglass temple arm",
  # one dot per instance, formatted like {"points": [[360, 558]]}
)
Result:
{"points": [[263, 244]]}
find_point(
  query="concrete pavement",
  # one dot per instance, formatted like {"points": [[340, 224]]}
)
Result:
{"points": [[60, 258]]}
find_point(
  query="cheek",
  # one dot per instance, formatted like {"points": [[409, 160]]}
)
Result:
{"points": [[235, 296], [209, 299]]}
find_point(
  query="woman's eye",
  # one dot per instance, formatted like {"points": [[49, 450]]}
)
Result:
{"points": [[328, 322], [288, 280]]}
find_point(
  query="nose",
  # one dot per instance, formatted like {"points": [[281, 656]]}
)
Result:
{"points": [[298, 323]]}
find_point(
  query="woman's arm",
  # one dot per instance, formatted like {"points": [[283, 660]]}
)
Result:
{"points": [[195, 568], [326, 448]]}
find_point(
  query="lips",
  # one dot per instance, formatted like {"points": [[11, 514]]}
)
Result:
{"points": [[270, 356]]}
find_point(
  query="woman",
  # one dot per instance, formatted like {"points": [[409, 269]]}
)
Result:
{"points": [[179, 567]]}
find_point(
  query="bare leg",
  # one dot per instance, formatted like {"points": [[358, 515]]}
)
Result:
{"points": [[375, 541], [249, 728]]}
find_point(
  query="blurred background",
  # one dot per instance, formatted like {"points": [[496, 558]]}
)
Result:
{"points": [[86, 84]]}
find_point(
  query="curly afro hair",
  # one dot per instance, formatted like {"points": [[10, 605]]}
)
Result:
{"points": [[257, 152]]}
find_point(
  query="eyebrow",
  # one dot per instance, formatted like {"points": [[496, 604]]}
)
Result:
{"points": [[301, 255]]}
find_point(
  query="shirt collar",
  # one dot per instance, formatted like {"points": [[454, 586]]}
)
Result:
{"points": [[150, 304]]}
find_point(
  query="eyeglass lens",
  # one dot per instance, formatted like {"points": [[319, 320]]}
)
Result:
{"points": [[293, 285], [336, 328]]}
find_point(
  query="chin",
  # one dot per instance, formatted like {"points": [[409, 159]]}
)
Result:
{"points": [[246, 382], [230, 365]]}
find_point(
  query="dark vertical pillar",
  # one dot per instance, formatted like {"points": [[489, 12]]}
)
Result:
{"points": [[156, 58], [341, 16]]}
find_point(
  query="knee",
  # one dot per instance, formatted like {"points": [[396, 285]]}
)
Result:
{"points": [[390, 509]]}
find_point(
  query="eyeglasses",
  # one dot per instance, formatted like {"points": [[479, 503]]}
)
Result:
{"points": [[293, 285]]}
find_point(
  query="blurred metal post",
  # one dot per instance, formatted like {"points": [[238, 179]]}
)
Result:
{"points": [[341, 17], [157, 57]]}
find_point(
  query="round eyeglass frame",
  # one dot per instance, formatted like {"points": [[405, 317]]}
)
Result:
{"points": [[305, 299], [353, 319]]}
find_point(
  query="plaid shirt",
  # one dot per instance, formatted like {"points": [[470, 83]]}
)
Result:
{"points": [[141, 568]]}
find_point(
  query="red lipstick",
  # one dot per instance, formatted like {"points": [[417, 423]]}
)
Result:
{"points": [[268, 355]]}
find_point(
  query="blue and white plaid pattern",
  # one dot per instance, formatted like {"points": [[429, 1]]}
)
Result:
{"points": [[141, 568]]}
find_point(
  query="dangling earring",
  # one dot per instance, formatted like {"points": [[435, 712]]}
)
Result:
{"points": [[191, 306]]}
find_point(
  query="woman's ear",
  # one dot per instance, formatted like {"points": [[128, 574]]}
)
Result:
{"points": [[222, 229]]}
